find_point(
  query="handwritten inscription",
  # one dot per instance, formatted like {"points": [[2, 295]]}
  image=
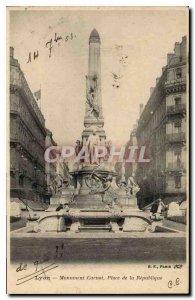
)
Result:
{"points": [[35, 56], [21, 267], [173, 283], [50, 44], [36, 275]]}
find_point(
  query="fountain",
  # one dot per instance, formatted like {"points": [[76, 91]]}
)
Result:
{"points": [[94, 211], [101, 199]]}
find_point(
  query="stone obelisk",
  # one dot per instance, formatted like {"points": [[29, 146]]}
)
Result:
{"points": [[94, 120]]}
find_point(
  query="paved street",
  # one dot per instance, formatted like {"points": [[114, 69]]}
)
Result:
{"points": [[158, 248]]}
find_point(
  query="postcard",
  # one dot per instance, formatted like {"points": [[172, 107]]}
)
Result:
{"points": [[97, 150]]}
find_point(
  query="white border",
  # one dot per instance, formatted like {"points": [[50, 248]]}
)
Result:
{"points": [[3, 4]]}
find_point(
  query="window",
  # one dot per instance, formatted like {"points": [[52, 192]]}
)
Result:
{"points": [[177, 126], [177, 154], [177, 123], [178, 73], [177, 101], [21, 180], [177, 182]]}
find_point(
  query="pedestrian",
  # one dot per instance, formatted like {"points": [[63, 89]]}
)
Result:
{"points": [[157, 208]]}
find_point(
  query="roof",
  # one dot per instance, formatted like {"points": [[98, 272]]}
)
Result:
{"points": [[94, 35]]}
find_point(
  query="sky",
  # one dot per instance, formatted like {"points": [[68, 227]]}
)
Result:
{"points": [[142, 37]]}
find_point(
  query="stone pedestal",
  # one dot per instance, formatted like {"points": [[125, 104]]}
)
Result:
{"points": [[134, 224], [67, 195], [54, 200], [85, 197], [81, 178], [52, 222], [61, 224], [125, 200], [75, 226], [122, 197], [135, 221], [114, 225]]}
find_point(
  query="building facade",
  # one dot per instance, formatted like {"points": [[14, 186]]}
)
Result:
{"points": [[50, 167], [27, 138], [162, 129], [55, 169]]}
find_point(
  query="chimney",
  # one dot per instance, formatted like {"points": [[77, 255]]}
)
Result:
{"points": [[184, 39], [12, 52], [183, 49], [141, 108], [151, 90], [177, 49]]}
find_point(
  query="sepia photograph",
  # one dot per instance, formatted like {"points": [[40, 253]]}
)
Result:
{"points": [[97, 150]]}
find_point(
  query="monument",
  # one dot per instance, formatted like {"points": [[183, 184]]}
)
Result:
{"points": [[93, 107], [97, 197]]}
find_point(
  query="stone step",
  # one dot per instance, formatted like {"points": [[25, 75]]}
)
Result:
{"points": [[92, 206], [86, 204], [94, 228], [88, 201]]}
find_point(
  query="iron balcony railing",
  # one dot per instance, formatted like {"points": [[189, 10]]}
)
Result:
{"points": [[175, 137], [174, 109], [181, 80]]}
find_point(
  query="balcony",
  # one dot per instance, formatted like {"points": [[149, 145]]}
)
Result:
{"points": [[175, 137], [14, 107], [175, 167], [176, 85], [176, 109], [14, 110], [175, 81], [13, 136]]}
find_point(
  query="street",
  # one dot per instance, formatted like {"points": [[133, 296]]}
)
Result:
{"points": [[136, 248]]}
